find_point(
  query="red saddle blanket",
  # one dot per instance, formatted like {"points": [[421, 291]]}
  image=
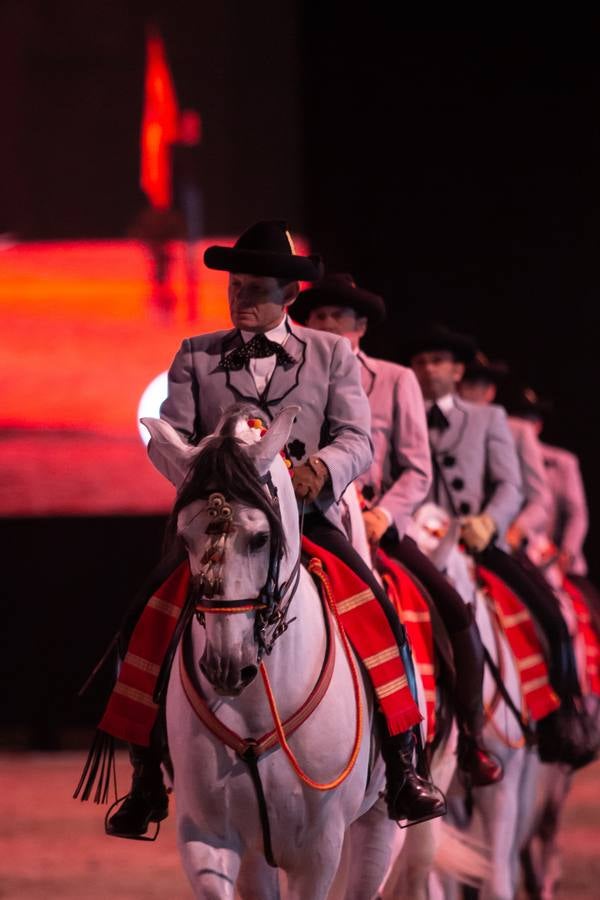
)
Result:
{"points": [[515, 621], [413, 611], [591, 681], [131, 711]]}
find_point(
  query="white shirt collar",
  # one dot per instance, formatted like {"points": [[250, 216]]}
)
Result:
{"points": [[278, 334], [445, 403]]}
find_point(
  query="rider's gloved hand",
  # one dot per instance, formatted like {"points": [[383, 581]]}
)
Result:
{"points": [[376, 524], [310, 478], [477, 531]]}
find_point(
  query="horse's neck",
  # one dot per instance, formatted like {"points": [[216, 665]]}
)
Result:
{"points": [[293, 667]]}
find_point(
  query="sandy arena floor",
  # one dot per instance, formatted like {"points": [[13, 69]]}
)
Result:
{"points": [[54, 847]]}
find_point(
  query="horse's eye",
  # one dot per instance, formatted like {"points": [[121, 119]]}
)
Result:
{"points": [[258, 541]]}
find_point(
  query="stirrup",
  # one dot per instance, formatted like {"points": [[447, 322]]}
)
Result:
{"points": [[128, 837], [409, 822]]}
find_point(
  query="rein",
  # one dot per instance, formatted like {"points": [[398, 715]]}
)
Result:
{"points": [[316, 569]]}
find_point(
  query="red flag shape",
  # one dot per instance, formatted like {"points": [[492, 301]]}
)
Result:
{"points": [[159, 124]]}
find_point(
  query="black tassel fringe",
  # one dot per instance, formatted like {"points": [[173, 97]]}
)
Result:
{"points": [[99, 769]]}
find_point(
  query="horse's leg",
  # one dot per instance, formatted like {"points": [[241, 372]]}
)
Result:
{"points": [[313, 870], [532, 877], [409, 875], [369, 843], [548, 854], [539, 855], [531, 777], [340, 882], [212, 871], [257, 879], [499, 808]]}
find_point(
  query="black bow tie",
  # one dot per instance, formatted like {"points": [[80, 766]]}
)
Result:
{"points": [[258, 348], [437, 419]]}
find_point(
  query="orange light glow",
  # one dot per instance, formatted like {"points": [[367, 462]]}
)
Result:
{"points": [[82, 337]]}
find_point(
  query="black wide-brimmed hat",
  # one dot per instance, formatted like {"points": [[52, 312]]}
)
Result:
{"points": [[438, 337], [338, 289], [482, 369], [522, 401], [264, 249]]}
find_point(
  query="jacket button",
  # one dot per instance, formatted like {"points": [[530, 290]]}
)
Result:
{"points": [[449, 461], [368, 491], [458, 484], [464, 508]]}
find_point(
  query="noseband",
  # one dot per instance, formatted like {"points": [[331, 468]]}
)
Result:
{"points": [[273, 601]]}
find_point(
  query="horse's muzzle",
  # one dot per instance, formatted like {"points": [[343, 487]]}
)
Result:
{"points": [[228, 681]]}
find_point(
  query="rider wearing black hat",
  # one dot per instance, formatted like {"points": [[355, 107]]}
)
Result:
{"points": [[268, 361], [396, 484], [477, 479]]}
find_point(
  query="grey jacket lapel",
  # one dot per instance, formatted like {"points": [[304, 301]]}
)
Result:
{"points": [[443, 441], [368, 373]]}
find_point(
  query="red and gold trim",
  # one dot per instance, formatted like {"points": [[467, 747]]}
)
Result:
{"points": [[539, 699], [413, 611]]}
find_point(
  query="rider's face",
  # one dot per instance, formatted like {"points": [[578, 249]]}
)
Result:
{"points": [[437, 372], [340, 320], [257, 302]]}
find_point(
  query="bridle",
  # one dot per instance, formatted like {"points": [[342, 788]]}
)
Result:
{"points": [[273, 601]]}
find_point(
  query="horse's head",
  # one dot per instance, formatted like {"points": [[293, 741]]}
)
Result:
{"points": [[437, 535], [237, 516]]}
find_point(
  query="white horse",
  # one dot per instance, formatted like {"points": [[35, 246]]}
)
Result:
{"points": [[540, 856], [418, 848], [501, 813], [220, 836]]}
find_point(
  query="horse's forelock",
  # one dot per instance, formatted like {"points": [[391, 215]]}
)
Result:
{"points": [[229, 422], [223, 466]]}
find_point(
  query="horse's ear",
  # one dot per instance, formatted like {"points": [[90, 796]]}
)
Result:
{"points": [[263, 452], [168, 451]]}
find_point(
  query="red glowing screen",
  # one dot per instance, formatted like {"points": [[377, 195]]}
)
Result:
{"points": [[83, 336]]}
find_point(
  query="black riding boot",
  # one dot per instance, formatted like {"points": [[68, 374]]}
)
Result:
{"points": [[473, 759], [408, 796], [147, 800]]}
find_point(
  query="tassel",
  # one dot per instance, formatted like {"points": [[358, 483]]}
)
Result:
{"points": [[99, 769]]}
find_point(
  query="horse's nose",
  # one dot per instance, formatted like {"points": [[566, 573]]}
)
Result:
{"points": [[206, 670], [248, 674], [228, 680]]}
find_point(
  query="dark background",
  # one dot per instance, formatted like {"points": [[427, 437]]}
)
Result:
{"points": [[455, 170]]}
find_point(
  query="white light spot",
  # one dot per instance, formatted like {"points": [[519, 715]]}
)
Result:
{"points": [[150, 402]]}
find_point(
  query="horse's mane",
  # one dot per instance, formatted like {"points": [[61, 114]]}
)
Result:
{"points": [[223, 466]]}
